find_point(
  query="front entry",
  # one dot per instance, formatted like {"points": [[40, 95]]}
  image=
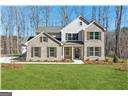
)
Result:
{"points": [[72, 53], [77, 53], [68, 52]]}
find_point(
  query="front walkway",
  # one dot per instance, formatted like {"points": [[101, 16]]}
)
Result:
{"points": [[75, 62], [78, 62], [6, 59]]}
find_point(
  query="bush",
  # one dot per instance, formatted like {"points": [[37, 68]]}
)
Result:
{"points": [[115, 59], [122, 67]]}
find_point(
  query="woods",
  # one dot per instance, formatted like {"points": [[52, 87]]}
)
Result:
{"points": [[23, 22]]}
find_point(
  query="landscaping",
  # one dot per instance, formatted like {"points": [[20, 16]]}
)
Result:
{"points": [[63, 76]]}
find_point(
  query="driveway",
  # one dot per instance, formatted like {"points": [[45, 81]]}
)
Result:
{"points": [[6, 59]]}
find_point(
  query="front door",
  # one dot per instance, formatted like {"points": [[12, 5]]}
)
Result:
{"points": [[68, 52], [77, 53]]}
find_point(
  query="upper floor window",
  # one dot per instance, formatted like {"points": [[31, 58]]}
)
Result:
{"points": [[40, 39], [71, 36], [45, 39], [94, 35], [81, 23]]}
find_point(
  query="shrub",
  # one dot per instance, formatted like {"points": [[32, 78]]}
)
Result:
{"points": [[115, 59], [122, 67], [68, 60]]}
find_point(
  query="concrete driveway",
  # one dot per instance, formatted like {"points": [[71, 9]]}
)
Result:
{"points": [[6, 59]]}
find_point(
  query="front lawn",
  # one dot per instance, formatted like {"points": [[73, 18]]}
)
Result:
{"points": [[64, 77]]}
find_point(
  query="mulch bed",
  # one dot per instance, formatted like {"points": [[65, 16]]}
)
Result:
{"points": [[12, 66]]}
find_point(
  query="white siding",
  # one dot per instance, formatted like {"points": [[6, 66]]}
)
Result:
{"points": [[94, 43], [73, 27]]}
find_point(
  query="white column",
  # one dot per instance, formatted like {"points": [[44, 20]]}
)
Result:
{"points": [[72, 53], [62, 52]]}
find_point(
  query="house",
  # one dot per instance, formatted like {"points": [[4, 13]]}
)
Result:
{"points": [[79, 39]]}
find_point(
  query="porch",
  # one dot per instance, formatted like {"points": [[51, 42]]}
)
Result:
{"points": [[73, 53]]}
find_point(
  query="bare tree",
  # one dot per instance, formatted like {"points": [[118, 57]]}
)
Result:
{"points": [[119, 10], [94, 11], [80, 11], [65, 13]]}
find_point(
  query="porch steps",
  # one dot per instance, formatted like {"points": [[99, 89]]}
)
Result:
{"points": [[78, 62]]}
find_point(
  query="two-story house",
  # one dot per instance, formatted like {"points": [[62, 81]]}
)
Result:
{"points": [[79, 39]]}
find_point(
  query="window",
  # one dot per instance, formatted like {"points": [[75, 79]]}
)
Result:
{"points": [[91, 35], [80, 23], [97, 51], [51, 51], [98, 35], [94, 51], [36, 52], [72, 37], [40, 39], [45, 39], [94, 35]]}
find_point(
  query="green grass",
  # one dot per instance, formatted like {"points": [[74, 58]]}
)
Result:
{"points": [[65, 77]]}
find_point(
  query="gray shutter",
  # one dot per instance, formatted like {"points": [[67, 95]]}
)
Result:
{"points": [[100, 51], [88, 51], [47, 51], [55, 52], [39, 51], [32, 51], [100, 35], [66, 37]]}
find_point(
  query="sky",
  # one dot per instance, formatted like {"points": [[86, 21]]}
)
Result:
{"points": [[87, 11]]}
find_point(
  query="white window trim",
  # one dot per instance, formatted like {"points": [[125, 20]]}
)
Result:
{"points": [[33, 52], [95, 35], [49, 51], [94, 52], [71, 36]]}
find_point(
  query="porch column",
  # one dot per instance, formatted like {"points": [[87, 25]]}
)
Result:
{"points": [[62, 52], [72, 53], [82, 53]]}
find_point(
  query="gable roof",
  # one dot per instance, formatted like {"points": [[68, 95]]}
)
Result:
{"points": [[46, 34], [83, 19], [30, 38], [86, 22], [92, 22], [98, 25]]}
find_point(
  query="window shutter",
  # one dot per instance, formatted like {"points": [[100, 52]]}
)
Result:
{"points": [[100, 35], [100, 51], [40, 39], [88, 51], [47, 51], [39, 51], [31, 51], [55, 52], [66, 36]]}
